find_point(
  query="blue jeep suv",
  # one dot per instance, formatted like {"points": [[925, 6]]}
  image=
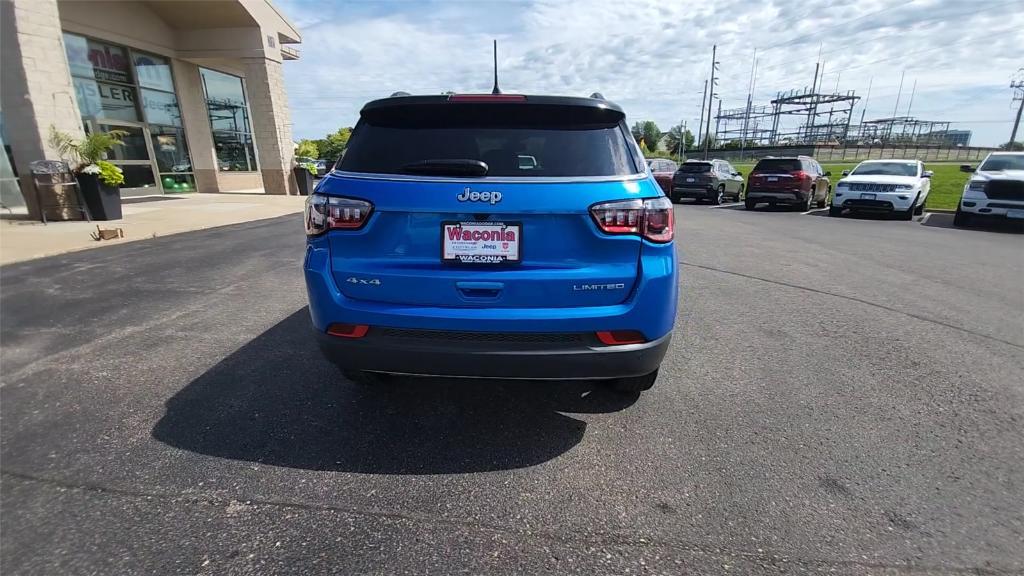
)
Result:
{"points": [[492, 235]]}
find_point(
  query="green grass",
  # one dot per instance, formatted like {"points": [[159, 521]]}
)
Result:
{"points": [[947, 182]]}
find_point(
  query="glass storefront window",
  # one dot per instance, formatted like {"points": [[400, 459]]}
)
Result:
{"points": [[235, 152], [138, 176], [97, 60], [170, 149], [161, 107], [104, 100], [229, 119], [134, 147], [178, 183], [153, 71]]}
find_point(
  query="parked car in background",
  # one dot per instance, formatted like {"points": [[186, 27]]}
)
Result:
{"points": [[663, 171], [886, 186], [797, 181], [434, 248], [321, 168], [714, 180], [996, 189]]}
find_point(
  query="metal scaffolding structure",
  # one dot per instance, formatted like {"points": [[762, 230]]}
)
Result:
{"points": [[794, 117], [902, 130]]}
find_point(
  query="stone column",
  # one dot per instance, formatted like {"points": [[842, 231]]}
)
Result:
{"points": [[271, 121], [35, 85]]}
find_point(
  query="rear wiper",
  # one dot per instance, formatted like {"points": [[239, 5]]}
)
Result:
{"points": [[447, 167]]}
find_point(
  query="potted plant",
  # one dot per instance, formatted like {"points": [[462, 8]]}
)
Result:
{"points": [[98, 179], [304, 174]]}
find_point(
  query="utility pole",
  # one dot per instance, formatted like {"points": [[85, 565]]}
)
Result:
{"points": [[899, 93], [703, 101], [750, 99], [682, 144], [1018, 95], [711, 96]]}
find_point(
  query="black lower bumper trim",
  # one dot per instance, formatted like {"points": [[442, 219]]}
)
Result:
{"points": [[490, 358]]}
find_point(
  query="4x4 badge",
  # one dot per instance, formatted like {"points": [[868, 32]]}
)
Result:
{"points": [[471, 196]]}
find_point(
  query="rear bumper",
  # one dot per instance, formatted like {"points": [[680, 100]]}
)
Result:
{"points": [[699, 192], [650, 309], [458, 354], [883, 202], [777, 197]]}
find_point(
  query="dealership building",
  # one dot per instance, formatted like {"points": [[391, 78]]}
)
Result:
{"points": [[197, 85]]}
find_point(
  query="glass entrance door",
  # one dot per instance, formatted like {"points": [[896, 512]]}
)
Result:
{"points": [[134, 158]]}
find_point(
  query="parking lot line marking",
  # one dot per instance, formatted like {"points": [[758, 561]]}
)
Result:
{"points": [[927, 215], [728, 205], [815, 210]]}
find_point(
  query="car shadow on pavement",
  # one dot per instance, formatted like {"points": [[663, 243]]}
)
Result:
{"points": [[277, 401], [944, 220]]}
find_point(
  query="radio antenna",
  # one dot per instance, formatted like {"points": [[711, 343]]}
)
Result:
{"points": [[496, 90]]}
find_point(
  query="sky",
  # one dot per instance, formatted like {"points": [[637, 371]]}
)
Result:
{"points": [[652, 57]]}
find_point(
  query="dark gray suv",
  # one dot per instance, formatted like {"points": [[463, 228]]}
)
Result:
{"points": [[714, 180]]}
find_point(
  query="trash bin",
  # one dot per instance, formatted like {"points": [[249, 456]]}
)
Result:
{"points": [[57, 194]]}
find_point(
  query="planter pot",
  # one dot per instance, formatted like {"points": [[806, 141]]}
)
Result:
{"points": [[104, 201], [304, 178]]}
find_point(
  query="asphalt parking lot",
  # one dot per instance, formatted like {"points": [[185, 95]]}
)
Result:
{"points": [[841, 396]]}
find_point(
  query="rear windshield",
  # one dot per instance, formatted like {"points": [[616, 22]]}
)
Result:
{"points": [[525, 147], [698, 167], [778, 165]]}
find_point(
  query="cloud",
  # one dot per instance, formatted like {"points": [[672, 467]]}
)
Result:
{"points": [[652, 57]]}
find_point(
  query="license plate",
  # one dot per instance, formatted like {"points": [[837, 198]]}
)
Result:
{"points": [[772, 178], [689, 179], [867, 196], [1015, 214], [480, 242]]}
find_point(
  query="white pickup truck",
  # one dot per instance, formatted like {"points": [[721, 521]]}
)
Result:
{"points": [[996, 189]]}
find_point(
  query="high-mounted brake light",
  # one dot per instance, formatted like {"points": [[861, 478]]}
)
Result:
{"points": [[653, 218], [487, 98], [325, 213]]}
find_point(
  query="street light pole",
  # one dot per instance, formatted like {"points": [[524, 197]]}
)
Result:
{"points": [[1019, 87]]}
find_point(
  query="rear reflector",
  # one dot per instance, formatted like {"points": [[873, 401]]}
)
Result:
{"points": [[487, 98], [620, 337], [348, 330]]}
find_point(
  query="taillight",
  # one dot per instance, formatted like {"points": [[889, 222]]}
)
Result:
{"points": [[799, 175], [348, 330], [653, 218], [325, 213], [620, 337]]}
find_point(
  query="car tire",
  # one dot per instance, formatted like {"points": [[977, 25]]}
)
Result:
{"points": [[919, 210], [907, 214], [749, 204], [961, 218], [835, 211], [635, 384], [739, 193], [824, 201], [719, 197]]}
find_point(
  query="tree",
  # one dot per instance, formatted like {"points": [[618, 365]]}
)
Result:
{"points": [[307, 149], [677, 135], [1012, 146], [648, 132], [332, 145]]}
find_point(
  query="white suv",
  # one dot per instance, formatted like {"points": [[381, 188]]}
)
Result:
{"points": [[893, 186], [995, 189]]}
